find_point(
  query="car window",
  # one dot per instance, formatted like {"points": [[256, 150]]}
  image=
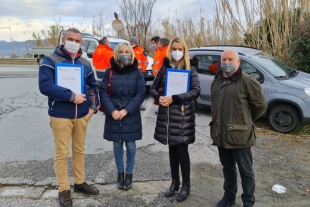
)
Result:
{"points": [[274, 66], [91, 47], [207, 64], [84, 45], [247, 67], [113, 45]]}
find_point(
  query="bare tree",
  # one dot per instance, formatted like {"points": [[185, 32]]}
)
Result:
{"points": [[47, 38], [137, 16]]}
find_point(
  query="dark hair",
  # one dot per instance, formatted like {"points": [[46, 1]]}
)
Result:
{"points": [[103, 40], [164, 41], [155, 39]]}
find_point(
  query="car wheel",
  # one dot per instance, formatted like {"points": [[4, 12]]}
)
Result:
{"points": [[283, 118]]}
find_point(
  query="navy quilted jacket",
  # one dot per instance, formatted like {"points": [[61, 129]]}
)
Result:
{"points": [[60, 99], [128, 92]]}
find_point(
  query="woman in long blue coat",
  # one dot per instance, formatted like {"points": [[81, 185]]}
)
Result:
{"points": [[123, 118]]}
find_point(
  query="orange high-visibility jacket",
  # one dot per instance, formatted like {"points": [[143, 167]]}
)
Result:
{"points": [[102, 56], [163, 54], [156, 67], [140, 55], [212, 68]]}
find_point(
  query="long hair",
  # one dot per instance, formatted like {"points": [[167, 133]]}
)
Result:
{"points": [[184, 62], [118, 47]]}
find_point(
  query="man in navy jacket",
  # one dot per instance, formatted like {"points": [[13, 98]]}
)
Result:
{"points": [[69, 114]]}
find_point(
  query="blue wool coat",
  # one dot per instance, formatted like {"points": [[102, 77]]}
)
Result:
{"points": [[128, 92]]}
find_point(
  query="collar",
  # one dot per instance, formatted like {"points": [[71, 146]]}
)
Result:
{"points": [[62, 51], [106, 47], [233, 77]]}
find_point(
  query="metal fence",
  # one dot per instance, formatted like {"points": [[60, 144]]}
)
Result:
{"points": [[17, 61]]}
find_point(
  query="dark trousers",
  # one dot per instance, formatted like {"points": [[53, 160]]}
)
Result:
{"points": [[179, 157], [243, 157]]}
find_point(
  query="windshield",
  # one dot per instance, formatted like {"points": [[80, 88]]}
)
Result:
{"points": [[114, 44], [274, 66]]}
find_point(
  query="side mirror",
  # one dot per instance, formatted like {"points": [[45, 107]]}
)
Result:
{"points": [[90, 54], [256, 76]]}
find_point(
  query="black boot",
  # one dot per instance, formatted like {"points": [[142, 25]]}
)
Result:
{"points": [[175, 185], [120, 180], [184, 192], [128, 181]]}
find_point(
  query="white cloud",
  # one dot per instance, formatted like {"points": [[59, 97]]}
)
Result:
{"points": [[27, 16]]}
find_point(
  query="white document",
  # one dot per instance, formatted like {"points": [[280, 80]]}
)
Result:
{"points": [[177, 82], [70, 77]]}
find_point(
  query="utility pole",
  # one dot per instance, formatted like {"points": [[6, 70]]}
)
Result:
{"points": [[13, 50], [223, 27]]}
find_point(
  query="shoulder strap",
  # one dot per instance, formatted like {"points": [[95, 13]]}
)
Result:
{"points": [[55, 58]]}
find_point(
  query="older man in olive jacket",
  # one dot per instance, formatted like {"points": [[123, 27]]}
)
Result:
{"points": [[237, 100]]}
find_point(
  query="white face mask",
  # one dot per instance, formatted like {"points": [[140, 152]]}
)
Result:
{"points": [[72, 46], [177, 55]]}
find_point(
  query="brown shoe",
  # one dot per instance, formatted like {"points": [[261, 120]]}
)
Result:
{"points": [[85, 188], [65, 198]]}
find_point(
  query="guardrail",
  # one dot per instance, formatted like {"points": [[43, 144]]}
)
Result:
{"points": [[15, 61]]}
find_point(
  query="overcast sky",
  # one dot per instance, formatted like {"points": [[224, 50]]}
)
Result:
{"points": [[27, 16]]}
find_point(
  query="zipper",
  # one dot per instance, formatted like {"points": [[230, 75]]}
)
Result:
{"points": [[168, 126], [121, 99], [76, 108]]}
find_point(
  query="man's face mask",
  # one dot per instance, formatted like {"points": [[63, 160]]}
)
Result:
{"points": [[72, 46], [154, 46], [228, 68], [124, 59]]}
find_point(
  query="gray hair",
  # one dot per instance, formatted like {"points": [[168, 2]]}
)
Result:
{"points": [[103, 40], [164, 41]]}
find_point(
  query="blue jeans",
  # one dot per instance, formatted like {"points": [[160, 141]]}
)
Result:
{"points": [[119, 156]]}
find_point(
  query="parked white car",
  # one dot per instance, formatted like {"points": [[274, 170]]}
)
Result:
{"points": [[90, 43]]}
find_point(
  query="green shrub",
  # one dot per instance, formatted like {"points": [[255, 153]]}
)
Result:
{"points": [[300, 45]]}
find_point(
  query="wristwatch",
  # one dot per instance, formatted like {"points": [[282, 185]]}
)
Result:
{"points": [[94, 107]]}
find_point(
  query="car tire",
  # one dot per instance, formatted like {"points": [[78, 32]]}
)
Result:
{"points": [[283, 118]]}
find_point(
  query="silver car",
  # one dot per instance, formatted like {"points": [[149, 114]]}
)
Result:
{"points": [[286, 90]]}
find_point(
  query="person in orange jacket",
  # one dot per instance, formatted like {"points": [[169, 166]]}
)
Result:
{"points": [[212, 67], [163, 47], [102, 56], [155, 46], [140, 55]]}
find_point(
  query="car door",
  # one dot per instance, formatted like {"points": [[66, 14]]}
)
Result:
{"points": [[206, 70], [256, 72]]}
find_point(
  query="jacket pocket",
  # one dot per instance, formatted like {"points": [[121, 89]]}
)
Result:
{"points": [[238, 134]]}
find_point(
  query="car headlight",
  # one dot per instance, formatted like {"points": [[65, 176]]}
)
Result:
{"points": [[307, 90]]}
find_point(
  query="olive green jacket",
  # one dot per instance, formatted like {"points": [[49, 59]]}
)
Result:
{"points": [[236, 103]]}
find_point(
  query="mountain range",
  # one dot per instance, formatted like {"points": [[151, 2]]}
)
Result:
{"points": [[20, 47]]}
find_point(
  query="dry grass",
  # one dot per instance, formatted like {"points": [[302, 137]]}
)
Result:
{"points": [[268, 25], [300, 134], [275, 20]]}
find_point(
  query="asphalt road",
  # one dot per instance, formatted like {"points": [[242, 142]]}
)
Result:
{"points": [[27, 148], [24, 122]]}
